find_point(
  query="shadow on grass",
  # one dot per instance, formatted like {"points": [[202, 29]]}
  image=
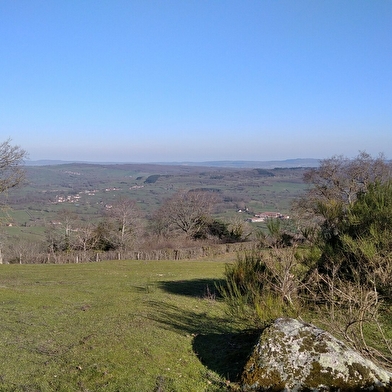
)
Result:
{"points": [[226, 354], [218, 347], [200, 288]]}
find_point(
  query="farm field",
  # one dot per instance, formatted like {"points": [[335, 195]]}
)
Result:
{"points": [[117, 326], [88, 190]]}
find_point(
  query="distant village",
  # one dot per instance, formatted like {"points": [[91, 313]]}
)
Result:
{"points": [[263, 216], [76, 198]]}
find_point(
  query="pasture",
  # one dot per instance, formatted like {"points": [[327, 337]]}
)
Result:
{"points": [[117, 326]]}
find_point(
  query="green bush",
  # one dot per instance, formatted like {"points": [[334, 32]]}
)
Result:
{"points": [[357, 242]]}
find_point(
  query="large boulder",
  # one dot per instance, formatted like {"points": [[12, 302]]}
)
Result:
{"points": [[295, 356]]}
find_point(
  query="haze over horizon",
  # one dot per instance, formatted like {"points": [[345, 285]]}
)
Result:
{"points": [[196, 81]]}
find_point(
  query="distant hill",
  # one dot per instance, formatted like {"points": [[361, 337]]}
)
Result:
{"points": [[45, 162], [288, 163]]}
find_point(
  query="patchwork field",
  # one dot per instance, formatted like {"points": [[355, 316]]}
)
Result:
{"points": [[88, 189]]}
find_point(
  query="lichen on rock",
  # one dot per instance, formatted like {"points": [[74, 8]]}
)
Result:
{"points": [[294, 356]]}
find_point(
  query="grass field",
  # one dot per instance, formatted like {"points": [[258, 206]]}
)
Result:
{"points": [[116, 326]]}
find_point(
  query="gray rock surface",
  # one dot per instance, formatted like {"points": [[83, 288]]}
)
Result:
{"points": [[294, 356]]}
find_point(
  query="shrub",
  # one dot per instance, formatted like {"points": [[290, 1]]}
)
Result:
{"points": [[263, 285]]}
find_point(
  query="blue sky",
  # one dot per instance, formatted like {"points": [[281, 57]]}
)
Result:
{"points": [[196, 80]]}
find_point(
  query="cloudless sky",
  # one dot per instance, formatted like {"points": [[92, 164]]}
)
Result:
{"points": [[196, 80]]}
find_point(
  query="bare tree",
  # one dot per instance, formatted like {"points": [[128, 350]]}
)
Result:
{"points": [[84, 236], [21, 251], [340, 178], [126, 215], [11, 170], [187, 212], [11, 165], [59, 233], [335, 184], [67, 218]]}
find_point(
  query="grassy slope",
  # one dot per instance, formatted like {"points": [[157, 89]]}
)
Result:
{"points": [[112, 326]]}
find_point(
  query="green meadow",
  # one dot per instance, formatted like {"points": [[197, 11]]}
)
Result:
{"points": [[117, 326]]}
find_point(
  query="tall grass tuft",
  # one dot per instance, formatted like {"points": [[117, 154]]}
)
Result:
{"points": [[262, 286]]}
